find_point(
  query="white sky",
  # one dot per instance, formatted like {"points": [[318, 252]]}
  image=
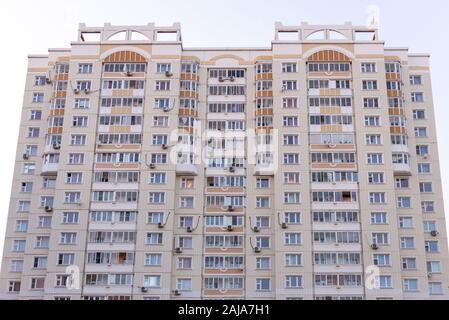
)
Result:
{"points": [[34, 26]]}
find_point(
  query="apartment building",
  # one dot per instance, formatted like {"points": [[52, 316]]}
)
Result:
{"points": [[304, 170]]}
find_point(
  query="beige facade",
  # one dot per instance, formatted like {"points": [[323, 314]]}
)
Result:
{"points": [[307, 170]]}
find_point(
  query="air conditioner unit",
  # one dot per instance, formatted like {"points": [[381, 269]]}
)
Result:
{"points": [[221, 79], [164, 146], [56, 146], [232, 79], [160, 225], [166, 109], [189, 229], [374, 246], [26, 156], [47, 80], [176, 293], [152, 166], [434, 233], [144, 290], [257, 250], [429, 275], [230, 228], [168, 74], [230, 208], [178, 250], [284, 226], [86, 91], [284, 88], [48, 209], [232, 169], [129, 74], [76, 91], [256, 229]]}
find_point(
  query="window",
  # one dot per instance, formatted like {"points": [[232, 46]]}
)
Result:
{"points": [[186, 222], [263, 242], [184, 263], [184, 284], [49, 183], [42, 242], [375, 158], [424, 168], [40, 262], [154, 238], [289, 85], [402, 183], [292, 218], [14, 286], [292, 198], [428, 206], [372, 121], [405, 222], [160, 140], [421, 132], [44, 222], [162, 85], [85, 68], [371, 103], [78, 140], [291, 158], [404, 203], [291, 239], [16, 266], [376, 177], [381, 260], [407, 242], [293, 260], [152, 281], [290, 103], [26, 187], [263, 263], [33, 132], [293, 282], [156, 198], [163, 67], [415, 80], [432, 246], [155, 217], [160, 122], [377, 198], [292, 178], [38, 97], [426, 187], [19, 245], [291, 121], [40, 80], [21, 226], [262, 183], [67, 238], [430, 226], [83, 103], [72, 197], [263, 222], [84, 85], [158, 178], [153, 259], [76, 158], [368, 67], [382, 239], [433, 266], [61, 282], [263, 284], [79, 122], [373, 139], [379, 218], [24, 206], [262, 202], [409, 264], [435, 288], [74, 178], [417, 97], [422, 150], [37, 283], [289, 67], [70, 217], [291, 139], [369, 85], [384, 282], [410, 285], [161, 103], [35, 115], [419, 114]]}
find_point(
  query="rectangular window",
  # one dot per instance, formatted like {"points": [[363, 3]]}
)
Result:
{"points": [[289, 67], [85, 68], [416, 80]]}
